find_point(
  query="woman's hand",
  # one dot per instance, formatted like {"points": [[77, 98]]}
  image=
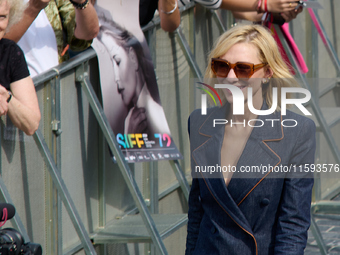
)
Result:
{"points": [[280, 5], [138, 121], [288, 16]]}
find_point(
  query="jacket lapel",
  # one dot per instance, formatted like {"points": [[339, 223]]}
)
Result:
{"points": [[209, 154], [257, 152], [258, 157]]}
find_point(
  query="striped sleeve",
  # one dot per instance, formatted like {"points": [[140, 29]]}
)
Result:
{"points": [[210, 4]]}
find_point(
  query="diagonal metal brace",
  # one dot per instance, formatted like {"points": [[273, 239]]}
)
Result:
{"points": [[188, 53], [63, 193], [325, 39], [318, 237], [316, 109], [181, 178]]}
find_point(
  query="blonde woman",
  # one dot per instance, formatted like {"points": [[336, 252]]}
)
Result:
{"points": [[251, 189], [18, 97]]}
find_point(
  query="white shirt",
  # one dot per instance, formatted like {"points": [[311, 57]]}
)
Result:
{"points": [[39, 45]]}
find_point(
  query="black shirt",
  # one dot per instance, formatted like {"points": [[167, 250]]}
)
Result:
{"points": [[147, 10], [13, 65]]}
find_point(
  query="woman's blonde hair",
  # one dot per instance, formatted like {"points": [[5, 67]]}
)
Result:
{"points": [[16, 11], [268, 52]]}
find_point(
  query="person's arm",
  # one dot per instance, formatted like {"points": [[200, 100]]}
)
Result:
{"points": [[31, 12], [256, 17], [87, 22], [195, 215], [23, 108], [169, 15], [251, 5], [294, 209], [251, 16]]}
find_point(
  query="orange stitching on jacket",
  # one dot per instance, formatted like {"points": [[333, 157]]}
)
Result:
{"points": [[228, 213], [199, 130], [263, 141], [203, 135]]}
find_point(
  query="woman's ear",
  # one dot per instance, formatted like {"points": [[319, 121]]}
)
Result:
{"points": [[133, 58], [268, 73]]}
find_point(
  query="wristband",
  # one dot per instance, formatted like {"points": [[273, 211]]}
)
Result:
{"points": [[258, 9], [10, 96], [265, 6], [81, 6], [172, 11]]}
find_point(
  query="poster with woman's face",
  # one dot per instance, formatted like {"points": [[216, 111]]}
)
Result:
{"points": [[130, 93]]}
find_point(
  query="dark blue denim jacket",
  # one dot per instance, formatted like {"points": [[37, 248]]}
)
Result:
{"points": [[265, 212]]}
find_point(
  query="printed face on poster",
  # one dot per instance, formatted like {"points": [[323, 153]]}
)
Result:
{"points": [[130, 93]]}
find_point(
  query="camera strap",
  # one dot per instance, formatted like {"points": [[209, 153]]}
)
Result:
{"points": [[4, 217]]}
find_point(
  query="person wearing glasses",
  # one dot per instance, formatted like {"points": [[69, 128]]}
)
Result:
{"points": [[18, 98], [245, 196]]}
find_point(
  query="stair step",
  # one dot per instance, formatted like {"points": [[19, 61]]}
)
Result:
{"points": [[131, 228]]}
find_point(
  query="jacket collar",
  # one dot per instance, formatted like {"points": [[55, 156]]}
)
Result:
{"points": [[257, 149]]}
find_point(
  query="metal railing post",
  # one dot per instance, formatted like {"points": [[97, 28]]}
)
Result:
{"points": [[324, 37], [181, 178], [316, 109]]}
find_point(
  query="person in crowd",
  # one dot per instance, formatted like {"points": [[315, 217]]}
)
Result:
{"points": [[281, 14], [247, 6], [252, 10], [233, 211], [168, 13], [48, 29], [18, 97], [135, 80]]}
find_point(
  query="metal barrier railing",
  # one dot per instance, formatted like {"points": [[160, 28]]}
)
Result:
{"points": [[80, 64]]}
